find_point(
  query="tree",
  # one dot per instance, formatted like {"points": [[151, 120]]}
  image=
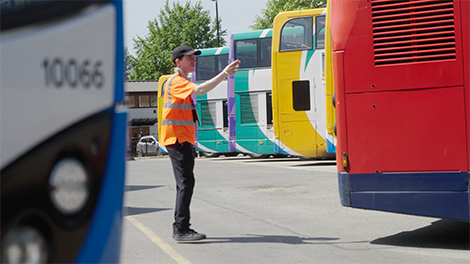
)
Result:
{"points": [[176, 25], [274, 7], [129, 62]]}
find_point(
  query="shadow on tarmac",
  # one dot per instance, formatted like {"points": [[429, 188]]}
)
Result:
{"points": [[308, 162], [142, 210], [130, 188], [250, 238], [321, 163], [442, 234]]}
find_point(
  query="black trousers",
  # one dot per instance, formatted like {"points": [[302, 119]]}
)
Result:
{"points": [[182, 158]]}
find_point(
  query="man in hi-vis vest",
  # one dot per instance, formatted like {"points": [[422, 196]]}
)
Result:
{"points": [[178, 132]]}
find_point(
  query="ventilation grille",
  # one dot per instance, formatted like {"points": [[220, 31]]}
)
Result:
{"points": [[413, 31]]}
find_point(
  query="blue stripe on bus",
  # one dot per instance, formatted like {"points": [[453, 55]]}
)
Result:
{"points": [[411, 181], [120, 67], [330, 147], [409, 193], [103, 241], [279, 150]]}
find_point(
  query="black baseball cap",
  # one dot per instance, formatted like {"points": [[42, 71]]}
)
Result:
{"points": [[183, 50]]}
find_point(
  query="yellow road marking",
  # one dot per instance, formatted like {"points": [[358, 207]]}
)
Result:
{"points": [[158, 241]]}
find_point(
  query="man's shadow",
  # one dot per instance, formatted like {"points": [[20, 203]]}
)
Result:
{"points": [[130, 188], [442, 234], [129, 210], [291, 240]]}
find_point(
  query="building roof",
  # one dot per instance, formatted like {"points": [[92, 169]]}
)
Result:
{"points": [[140, 86], [143, 121]]}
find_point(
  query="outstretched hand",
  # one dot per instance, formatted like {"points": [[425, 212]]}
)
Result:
{"points": [[232, 68]]}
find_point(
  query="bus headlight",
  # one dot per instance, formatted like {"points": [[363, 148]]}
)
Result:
{"points": [[24, 244], [69, 183]]}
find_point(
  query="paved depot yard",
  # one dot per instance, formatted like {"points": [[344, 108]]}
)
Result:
{"points": [[274, 211]]}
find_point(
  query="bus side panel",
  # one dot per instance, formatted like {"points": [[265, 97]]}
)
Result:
{"points": [[329, 86], [465, 15], [341, 131], [435, 194], [343, 16], [299, 132], [374, 71], [231, 100], [451, 205], [419, 135]]}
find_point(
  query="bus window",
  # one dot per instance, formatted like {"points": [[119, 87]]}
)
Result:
{"points": [[249, 108], [296, 34], [205, 68], [301, 95], [320, 32], [222, 61], [208, 114], [265, 52], [247, 53], [224, 109], [269, 108], [209, 66]]}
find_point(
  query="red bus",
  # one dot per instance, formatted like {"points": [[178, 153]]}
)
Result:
{"points": [[402, 85]]}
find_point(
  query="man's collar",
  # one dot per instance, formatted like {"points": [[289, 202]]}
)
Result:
{"points": [[181, 73]]}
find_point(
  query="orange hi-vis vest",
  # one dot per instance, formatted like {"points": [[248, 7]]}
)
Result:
{"points": [[177, 117]]}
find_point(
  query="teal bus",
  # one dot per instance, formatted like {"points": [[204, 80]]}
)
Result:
{"points": [[212, 134], [249, 94]]}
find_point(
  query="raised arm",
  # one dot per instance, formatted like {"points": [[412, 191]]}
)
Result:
{"points": [[207, 86]]}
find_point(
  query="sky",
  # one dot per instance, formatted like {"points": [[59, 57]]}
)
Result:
{"points": [[237, 15]]}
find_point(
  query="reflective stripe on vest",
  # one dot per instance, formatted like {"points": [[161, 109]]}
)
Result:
{"points": [[168, 89], [178, 122], [180, 106]]}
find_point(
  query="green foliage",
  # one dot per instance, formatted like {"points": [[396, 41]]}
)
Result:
{"points": [[128, 61], [274, 7], [176, 25]]}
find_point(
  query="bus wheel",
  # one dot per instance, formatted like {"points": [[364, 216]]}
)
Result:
{"points": [[209, 154], [259, 156], [231, 154]]}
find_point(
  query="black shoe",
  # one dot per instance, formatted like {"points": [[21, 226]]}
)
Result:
{"points": [[191, 235]]}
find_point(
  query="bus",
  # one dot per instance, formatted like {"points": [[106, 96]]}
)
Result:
{"points": [[212, 134], [298, 74], [329, 87], [63, 138], [161, 95], [249, 94], [402, 75]]}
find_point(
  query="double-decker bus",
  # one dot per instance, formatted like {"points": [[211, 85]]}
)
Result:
{"points": [[212, 134], [329, 87], [298, 73], [402, 75], [63, 138], [249, 94]]}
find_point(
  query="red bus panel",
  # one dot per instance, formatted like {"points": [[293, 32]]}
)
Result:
{"points": [[401, 44], [407, 131]]}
